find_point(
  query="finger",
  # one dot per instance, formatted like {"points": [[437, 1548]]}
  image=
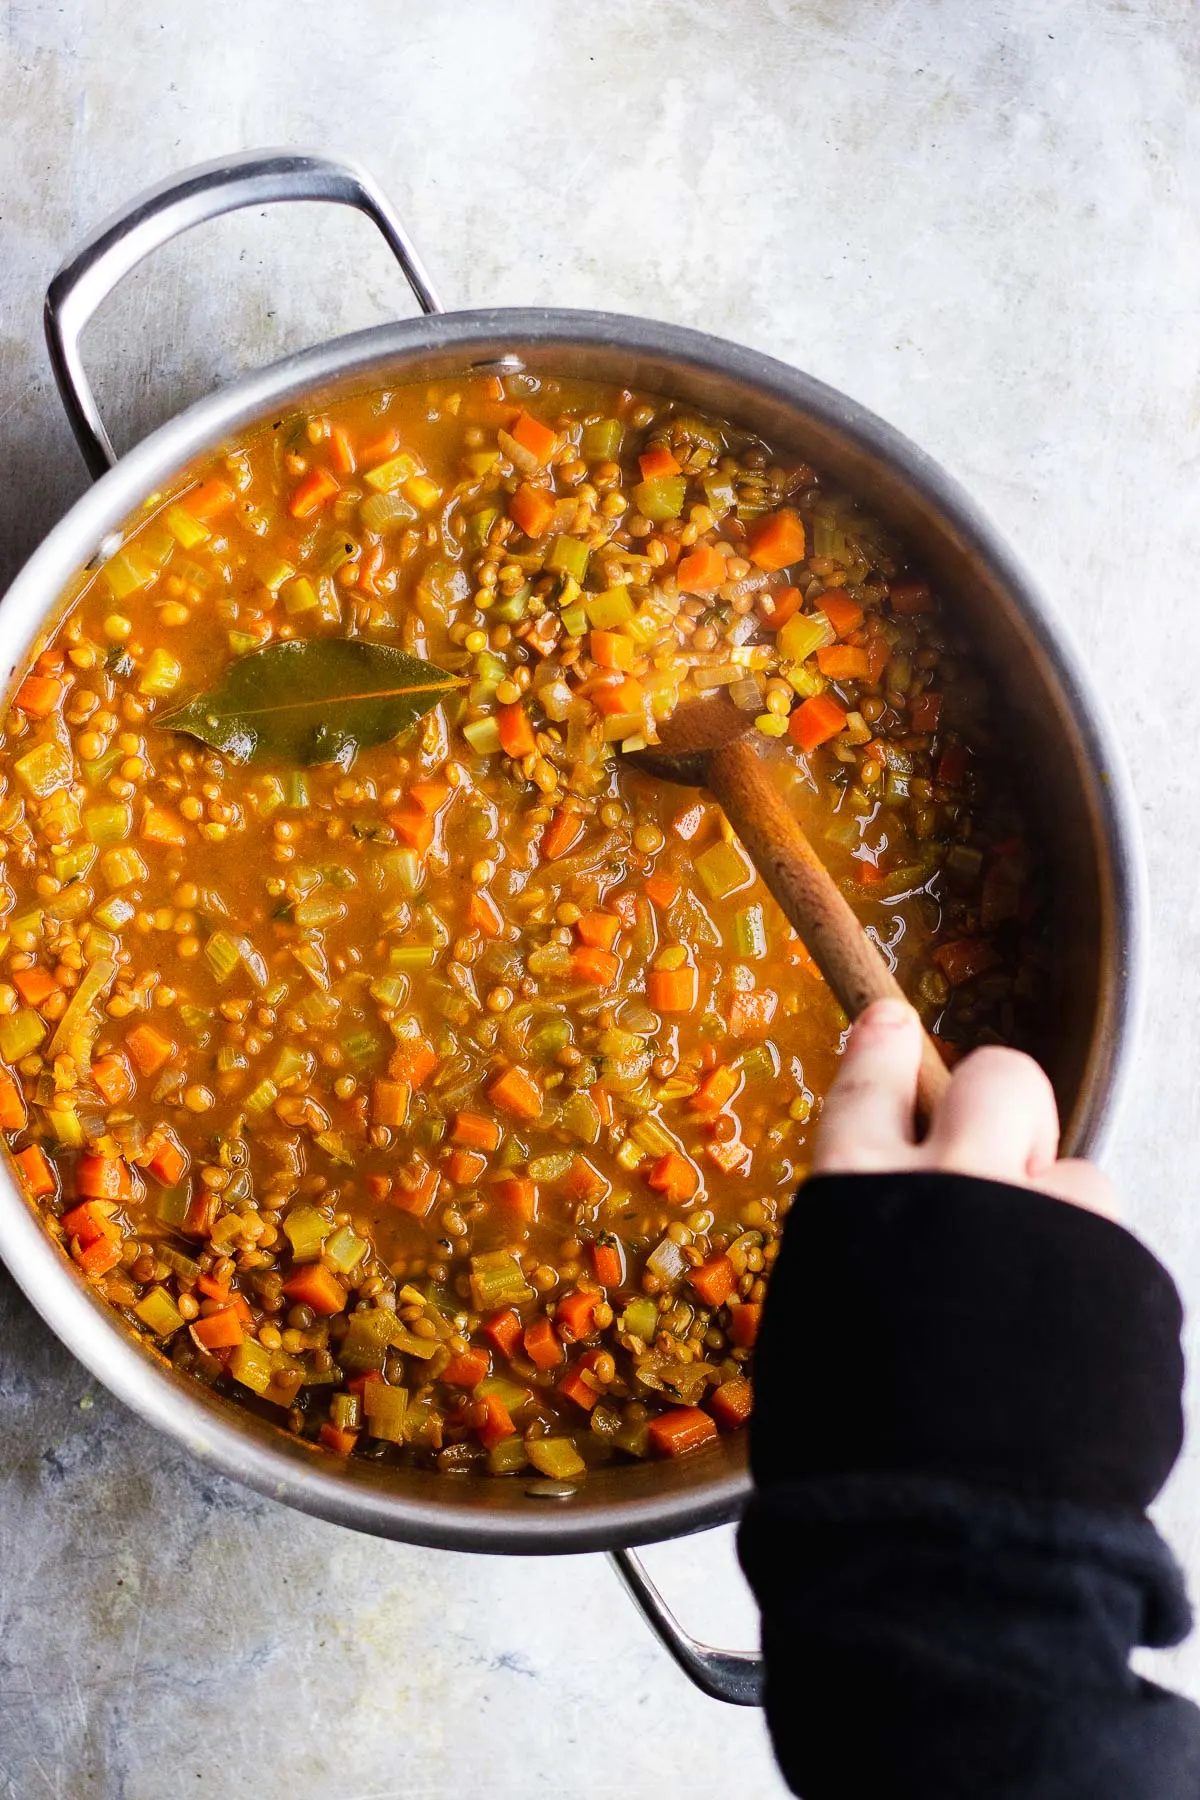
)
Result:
{"points": [[1080, 1183], [998, 1119], [867, 1121]]}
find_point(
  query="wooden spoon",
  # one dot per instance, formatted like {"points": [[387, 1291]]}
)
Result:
{"points": [[709, 743]]}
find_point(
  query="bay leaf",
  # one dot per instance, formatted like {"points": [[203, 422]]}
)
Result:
{"points": [[313, 700]]}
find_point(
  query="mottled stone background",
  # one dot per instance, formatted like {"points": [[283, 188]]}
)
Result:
{"points": [[982, 221]]}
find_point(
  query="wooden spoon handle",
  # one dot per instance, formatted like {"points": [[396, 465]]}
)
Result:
{"points": [[809, 896]]}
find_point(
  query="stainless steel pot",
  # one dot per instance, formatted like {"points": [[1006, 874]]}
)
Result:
{"points": [[1067, 758]]}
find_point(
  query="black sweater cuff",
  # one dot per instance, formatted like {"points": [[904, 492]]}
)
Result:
{"points": [[967, 1330]]}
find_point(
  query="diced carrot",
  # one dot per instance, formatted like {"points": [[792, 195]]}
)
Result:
{"points": [[414, 826], [476, 1131], [575, 1315], [389, 1103], [910, 597], [843, 613], [380, 448], [685, 1428], [717, 1089], [213, 1290], [775, 606], [162, 826], [464, 1167], [485, 915], [612, 649], [310, 494], [775, 540], [750, 1015], [518, 1195], [90, 1221], [516, 732], [335, 1438], [467, 1370], [625, 905], [535, 437], [208, 499], [608, 1261], [40, 695], [201, 1212], [541, 1343], [867, 872], [673, 990], [879, 654], [575, 1386], [701, 572], [430, 796], [13, 1111], [657, 461], [965, 958], [583, 1182], [316, 1286], [675, 1177], [688, 823], [599, 929], [113, 1078], [341, 450], [602, 1101], [36, 1172], [415, 1189], [590, 963], [924, 712], [952, 766], [728, 1154], [104, 1178], [220, 1331], [842, 662], [99, 1258], [618, 697], [516, 1092], [662, 890], [150, 1049], [169, 1160], [34, 984], [815, 721], [413, 1062], [532, 509], [497, 1424], [504, 1329], [379, 1187], [564, 829], [714, 1280], [731, 1403], [744, 1322]]}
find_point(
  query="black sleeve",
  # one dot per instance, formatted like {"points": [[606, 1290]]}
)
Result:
{"points": [[966, 1397]]}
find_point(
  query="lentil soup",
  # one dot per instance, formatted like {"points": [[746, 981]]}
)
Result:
{"points": [[390, 1055]]}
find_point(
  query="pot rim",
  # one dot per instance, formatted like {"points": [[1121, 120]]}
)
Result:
{"points": [[285, 1470]]}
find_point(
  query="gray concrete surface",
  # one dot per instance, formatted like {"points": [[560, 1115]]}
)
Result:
{"points": [[981, 221]]}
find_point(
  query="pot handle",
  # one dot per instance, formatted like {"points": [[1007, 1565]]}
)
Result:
{"points": [[735, 1676], [253, 178]]}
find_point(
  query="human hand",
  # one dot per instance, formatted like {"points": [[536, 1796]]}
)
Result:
{"points": [[998, 1118]]}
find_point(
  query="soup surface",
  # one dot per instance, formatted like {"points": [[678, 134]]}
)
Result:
{"points": [[385, 1049]]}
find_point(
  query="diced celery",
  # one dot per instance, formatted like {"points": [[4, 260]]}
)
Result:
{"points": [[96, 772], [262, 1096], [251, 1364], [409, 958], [496, 1280], [318, 909], [222, 953], [552, 1167], [391, 474], [575, 621], [569, 556], [653, 1136], [171, 1207], [556, 1457], [295, 788], [409, 1344], [802, 634], [510, 1394], [127, 573], [661, 497], [483, 735], [241, 642], [581, 1117], [633, 1439], [20, 1033], [178, 1263], [299, 595], [268, 795], [719, 492], [760, 1063], [366, 1342], [346, 1411], [161, 675], [404, 867], [389, 990], [478, 524], [360, 1046], [69, 865], [385, 1408], [159, 1313], [610, 608], [723, 869], [550, 1038], [306, 1230], [108, 824], [185, 527], [336, 1145], [114, 912], [379, 511], [512, 608], [630, 1155], [64, 1128], [273, 570], [750, 932], [45, 769], [667, 1261], [345, 1250], [290, 1063], [601, 441], [806, 681], [640, 1319], [508, 1456], [423, 491]]}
